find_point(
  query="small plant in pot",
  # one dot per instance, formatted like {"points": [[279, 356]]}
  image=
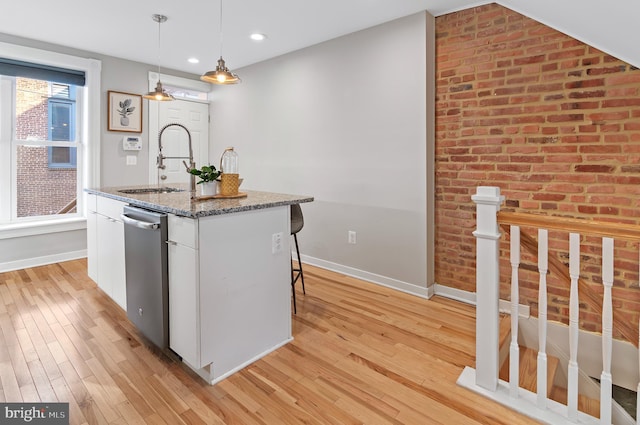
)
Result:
{"points": [[208, 176]]}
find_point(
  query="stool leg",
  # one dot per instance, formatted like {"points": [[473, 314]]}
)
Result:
{"points": [[293, 289], [295, 238]]}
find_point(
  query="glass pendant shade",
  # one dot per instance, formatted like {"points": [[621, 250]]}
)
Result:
{"points": [[221, 75], [158, 94]]}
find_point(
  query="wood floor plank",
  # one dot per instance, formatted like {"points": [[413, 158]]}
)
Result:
{"points": [[81, 395], [102, 402], [30, 393], [9, 383], [361, 353], [129, 414], [148, 392], [57, 352], [167, 395], [63, 393], [113, 393], [156, 419], [42, 381], [133, 396], [70, 351]]}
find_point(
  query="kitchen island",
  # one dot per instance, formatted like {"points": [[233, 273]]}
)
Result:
{"points": [[229, 284]]}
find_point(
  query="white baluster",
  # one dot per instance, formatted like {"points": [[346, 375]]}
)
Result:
{"points": [[607, 331], [543, 247], [514, 349], [574, 312]]}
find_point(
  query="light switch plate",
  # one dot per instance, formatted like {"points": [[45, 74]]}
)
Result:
{"points": [[132, 160]]}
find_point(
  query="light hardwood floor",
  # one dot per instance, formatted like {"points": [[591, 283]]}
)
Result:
{"points": [[362, 354]]}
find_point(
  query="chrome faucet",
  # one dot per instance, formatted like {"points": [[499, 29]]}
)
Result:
{"points": [[161, 158]]}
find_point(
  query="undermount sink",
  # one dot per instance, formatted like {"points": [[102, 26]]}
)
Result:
{"points": [[144, 190]]}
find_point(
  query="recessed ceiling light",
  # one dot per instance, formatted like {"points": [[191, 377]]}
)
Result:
{"points": [[193, 60], [257, 36]]}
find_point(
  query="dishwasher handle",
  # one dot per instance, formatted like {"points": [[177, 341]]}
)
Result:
{"points": [[139, 224]]}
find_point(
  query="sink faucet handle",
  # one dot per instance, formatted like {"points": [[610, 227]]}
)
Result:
{"points": [[160, 161], [187, 166]]}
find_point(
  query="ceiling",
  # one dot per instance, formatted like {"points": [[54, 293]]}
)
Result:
{"points": [[124, 28]]}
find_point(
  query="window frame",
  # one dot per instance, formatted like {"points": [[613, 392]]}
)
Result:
{"points": [[88, 146]]}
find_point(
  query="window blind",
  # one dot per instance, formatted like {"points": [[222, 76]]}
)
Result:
{"points": [[15, 68]]}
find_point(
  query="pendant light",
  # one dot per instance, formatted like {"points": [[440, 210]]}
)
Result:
{"points": [[159, 93], [221, 75]]}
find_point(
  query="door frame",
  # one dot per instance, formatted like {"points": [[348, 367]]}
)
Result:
{"points": [[152, 113]]}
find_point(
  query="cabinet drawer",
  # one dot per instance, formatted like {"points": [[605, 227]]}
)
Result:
{"points": [[110, 207], [183, 230]]}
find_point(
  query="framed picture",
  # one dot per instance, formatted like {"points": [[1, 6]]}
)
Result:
{"points": [[125, 112]]}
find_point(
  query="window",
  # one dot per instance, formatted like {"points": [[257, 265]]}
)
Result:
{"points": [[61, 123], [46, 183], [48, 138]]}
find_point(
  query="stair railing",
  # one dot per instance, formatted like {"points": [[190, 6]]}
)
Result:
{"points": [[489, 222], [68, 207]]}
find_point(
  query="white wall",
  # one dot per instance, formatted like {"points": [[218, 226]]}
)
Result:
{"points": [[343, 121]]}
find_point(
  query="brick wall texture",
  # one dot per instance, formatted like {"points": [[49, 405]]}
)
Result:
{"points": [[554, 123]]}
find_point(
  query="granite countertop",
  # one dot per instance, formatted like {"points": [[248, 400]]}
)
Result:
{"points": [[181, 204]]}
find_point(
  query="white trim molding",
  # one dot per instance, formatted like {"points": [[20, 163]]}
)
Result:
{"points": [[42, 261], [409, 288]]}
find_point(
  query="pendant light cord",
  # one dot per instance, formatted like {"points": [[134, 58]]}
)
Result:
{"points": [[159, 23], [220, 28], [159, 19]]}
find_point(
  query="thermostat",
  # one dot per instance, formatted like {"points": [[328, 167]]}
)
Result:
{"points": [[131, 143]]}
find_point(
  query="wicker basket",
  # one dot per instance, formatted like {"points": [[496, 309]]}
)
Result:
{"points": [[228, 184]]}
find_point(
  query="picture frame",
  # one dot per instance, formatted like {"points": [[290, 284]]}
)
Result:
{"points": [[125, 112]]}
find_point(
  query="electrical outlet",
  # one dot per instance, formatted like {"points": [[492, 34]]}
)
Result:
{"points": [[276, 242], [352, 237]]}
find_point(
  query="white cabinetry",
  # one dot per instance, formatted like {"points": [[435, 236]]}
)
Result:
{"points": [[105, 246], [184, 326], [92, 237], [229, 289]]}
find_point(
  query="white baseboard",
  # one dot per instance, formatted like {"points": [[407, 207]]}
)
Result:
{"points": [[455, 294], [470, 298], [42, 261], [399, 285]]}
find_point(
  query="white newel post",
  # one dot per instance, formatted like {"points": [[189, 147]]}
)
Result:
{"points": [[488, 201]]}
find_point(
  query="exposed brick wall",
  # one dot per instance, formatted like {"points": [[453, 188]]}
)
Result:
{"points": [[555, 124], [40, 190]]}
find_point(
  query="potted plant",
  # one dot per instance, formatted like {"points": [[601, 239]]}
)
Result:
{"points": [[208, 176]]}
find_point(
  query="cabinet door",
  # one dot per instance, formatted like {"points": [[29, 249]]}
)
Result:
{"points": [[92, 245], [184, 327], [118, 273], [111, 266], [105, 250]]}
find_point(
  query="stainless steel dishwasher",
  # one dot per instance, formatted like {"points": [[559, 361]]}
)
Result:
{"points": [[145, 240]]}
